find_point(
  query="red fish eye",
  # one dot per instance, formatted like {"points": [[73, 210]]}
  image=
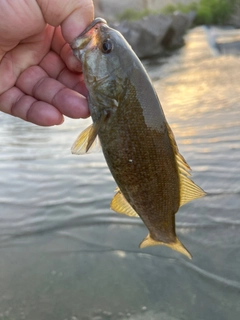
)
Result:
{"points": [[107, 46]]}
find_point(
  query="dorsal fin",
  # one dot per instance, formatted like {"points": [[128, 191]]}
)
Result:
{"points": [[188, 189]]}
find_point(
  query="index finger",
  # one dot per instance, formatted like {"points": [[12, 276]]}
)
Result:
{"points": [[73, 15]]}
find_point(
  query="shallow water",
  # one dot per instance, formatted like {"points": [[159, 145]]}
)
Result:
{"points": [[66, 256]]}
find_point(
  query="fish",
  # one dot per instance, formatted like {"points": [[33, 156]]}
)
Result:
{"points": [[137, 142]]}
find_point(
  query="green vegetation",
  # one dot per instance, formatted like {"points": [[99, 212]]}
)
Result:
{"points": [[207, 11], [130, 14], [214, 11], [184, 8]]}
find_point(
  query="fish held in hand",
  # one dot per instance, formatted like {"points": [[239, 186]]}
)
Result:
{"points": [[137, 142]]}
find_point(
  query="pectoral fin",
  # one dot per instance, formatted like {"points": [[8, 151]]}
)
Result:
{"points": [[176, 245], [120, 205], [87, 141]]}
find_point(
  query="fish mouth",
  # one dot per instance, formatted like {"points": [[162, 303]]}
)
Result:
{"points": [[92, 24], [85, 37]]}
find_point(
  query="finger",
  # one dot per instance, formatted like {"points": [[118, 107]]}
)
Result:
{"points": [[16, 103], [53, 65], [58, 42], [23, 56], [9, 98], [73, 81], [63, 49], [19, 20], [73, 16], [35, 82]]}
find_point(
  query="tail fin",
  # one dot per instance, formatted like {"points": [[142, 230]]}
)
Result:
{"points": [[177, 245]]}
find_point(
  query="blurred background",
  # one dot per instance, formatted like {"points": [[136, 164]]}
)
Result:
{"points": [[64, 255]]}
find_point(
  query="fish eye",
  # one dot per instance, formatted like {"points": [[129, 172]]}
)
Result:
{"points": [[107, 46]]}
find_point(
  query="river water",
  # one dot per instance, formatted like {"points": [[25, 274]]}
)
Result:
{"points": [[64, 255]]}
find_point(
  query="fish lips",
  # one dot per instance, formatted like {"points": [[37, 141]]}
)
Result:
{"points": [[85, 37]]}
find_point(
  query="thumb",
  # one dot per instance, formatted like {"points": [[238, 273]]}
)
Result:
{"points": [[73, 15]]}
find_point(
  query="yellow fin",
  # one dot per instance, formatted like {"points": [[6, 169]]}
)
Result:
{"points": [[177, 245], [120, 205], [87, 141], [188, 189]]}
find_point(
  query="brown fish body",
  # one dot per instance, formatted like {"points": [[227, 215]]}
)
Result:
{"points": [[142, 161], [136, 140]]}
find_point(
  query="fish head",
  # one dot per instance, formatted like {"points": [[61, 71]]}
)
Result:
{"points": [[106, 59]]}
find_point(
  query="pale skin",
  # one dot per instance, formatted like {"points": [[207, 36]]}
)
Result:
{"points": [[40, 79]]}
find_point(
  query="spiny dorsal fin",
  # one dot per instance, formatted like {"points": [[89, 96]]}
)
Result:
{"points": [[120, 205], [188, 189]]}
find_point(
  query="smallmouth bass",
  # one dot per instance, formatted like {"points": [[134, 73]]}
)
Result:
{"points": [[137, 142]]}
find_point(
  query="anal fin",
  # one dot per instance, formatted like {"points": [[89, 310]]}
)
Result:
{"points": [[189, 190]]}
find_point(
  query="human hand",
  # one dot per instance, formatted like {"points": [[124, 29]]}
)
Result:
{"points": [[40, 79]]}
